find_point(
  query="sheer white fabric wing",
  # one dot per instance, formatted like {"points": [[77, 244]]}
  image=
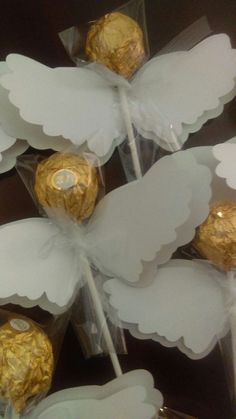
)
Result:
{"points": [[131, 396], [184, 306], [133, 223], [76, 103], [177, 93], [35, 269]]}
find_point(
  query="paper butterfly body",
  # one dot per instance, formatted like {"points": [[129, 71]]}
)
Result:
{"points": [[172, 93], [183, 293], [130, 396], [133, 229]]}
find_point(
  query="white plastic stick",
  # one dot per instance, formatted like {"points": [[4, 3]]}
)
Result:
{"points": [[11, 413], [175, 145], [130, 132], [232, 319], [101, 317]]}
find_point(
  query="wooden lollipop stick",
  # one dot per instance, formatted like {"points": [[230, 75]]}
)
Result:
{"points": [[101, 316], [130, 133]]}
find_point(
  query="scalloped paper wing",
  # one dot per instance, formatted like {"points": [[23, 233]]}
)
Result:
{"points": [[9, 150], [16, 127], [5, 141], [199, 206], [135, 222], [178, 92], [171, 96], [131, 396], [9, 155], [35, 267], [182, 294], [76, 103], [225, 153], [206, 156]]}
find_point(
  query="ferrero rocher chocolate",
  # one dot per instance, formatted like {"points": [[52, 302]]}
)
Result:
{"points": [[116, 41], [216, 237], [26, 362], [67, 181]]}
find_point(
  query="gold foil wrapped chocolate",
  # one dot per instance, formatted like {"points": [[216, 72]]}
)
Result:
{"points": [[67, 181], [116, 41], [26, 362], [216, 237]]}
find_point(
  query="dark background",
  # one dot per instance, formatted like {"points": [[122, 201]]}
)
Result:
{"points": [[30, 27]]}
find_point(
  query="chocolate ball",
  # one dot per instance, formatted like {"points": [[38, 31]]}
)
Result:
{"points": [[216, 238], [69, 182], [116, 41], [26, 361]]}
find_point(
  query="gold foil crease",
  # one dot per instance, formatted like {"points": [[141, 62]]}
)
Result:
{"points": [[26, 364], [216, 237], [116, 41], [79, 198]]}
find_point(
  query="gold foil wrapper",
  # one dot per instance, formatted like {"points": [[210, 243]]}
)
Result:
{"points": [[26, 362], [116, 41], [67, 181], [216, 238]]}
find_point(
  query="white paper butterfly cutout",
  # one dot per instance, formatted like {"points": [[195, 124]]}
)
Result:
{"points": [[184, 306], [183, 293], [173, 93], [132, 230], [131, 396]]}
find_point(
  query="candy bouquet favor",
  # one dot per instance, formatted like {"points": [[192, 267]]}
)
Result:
{"points": [[113, 252]]}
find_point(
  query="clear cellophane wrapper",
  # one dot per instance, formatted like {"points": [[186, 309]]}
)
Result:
{"points": [[84, 319], [215, 243], [86, 325], [166, 413], [74, 41], [74, 38], [148, 150], [30, 339]]}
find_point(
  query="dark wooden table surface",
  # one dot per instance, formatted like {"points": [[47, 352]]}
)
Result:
{"points": [[30, 27]]}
